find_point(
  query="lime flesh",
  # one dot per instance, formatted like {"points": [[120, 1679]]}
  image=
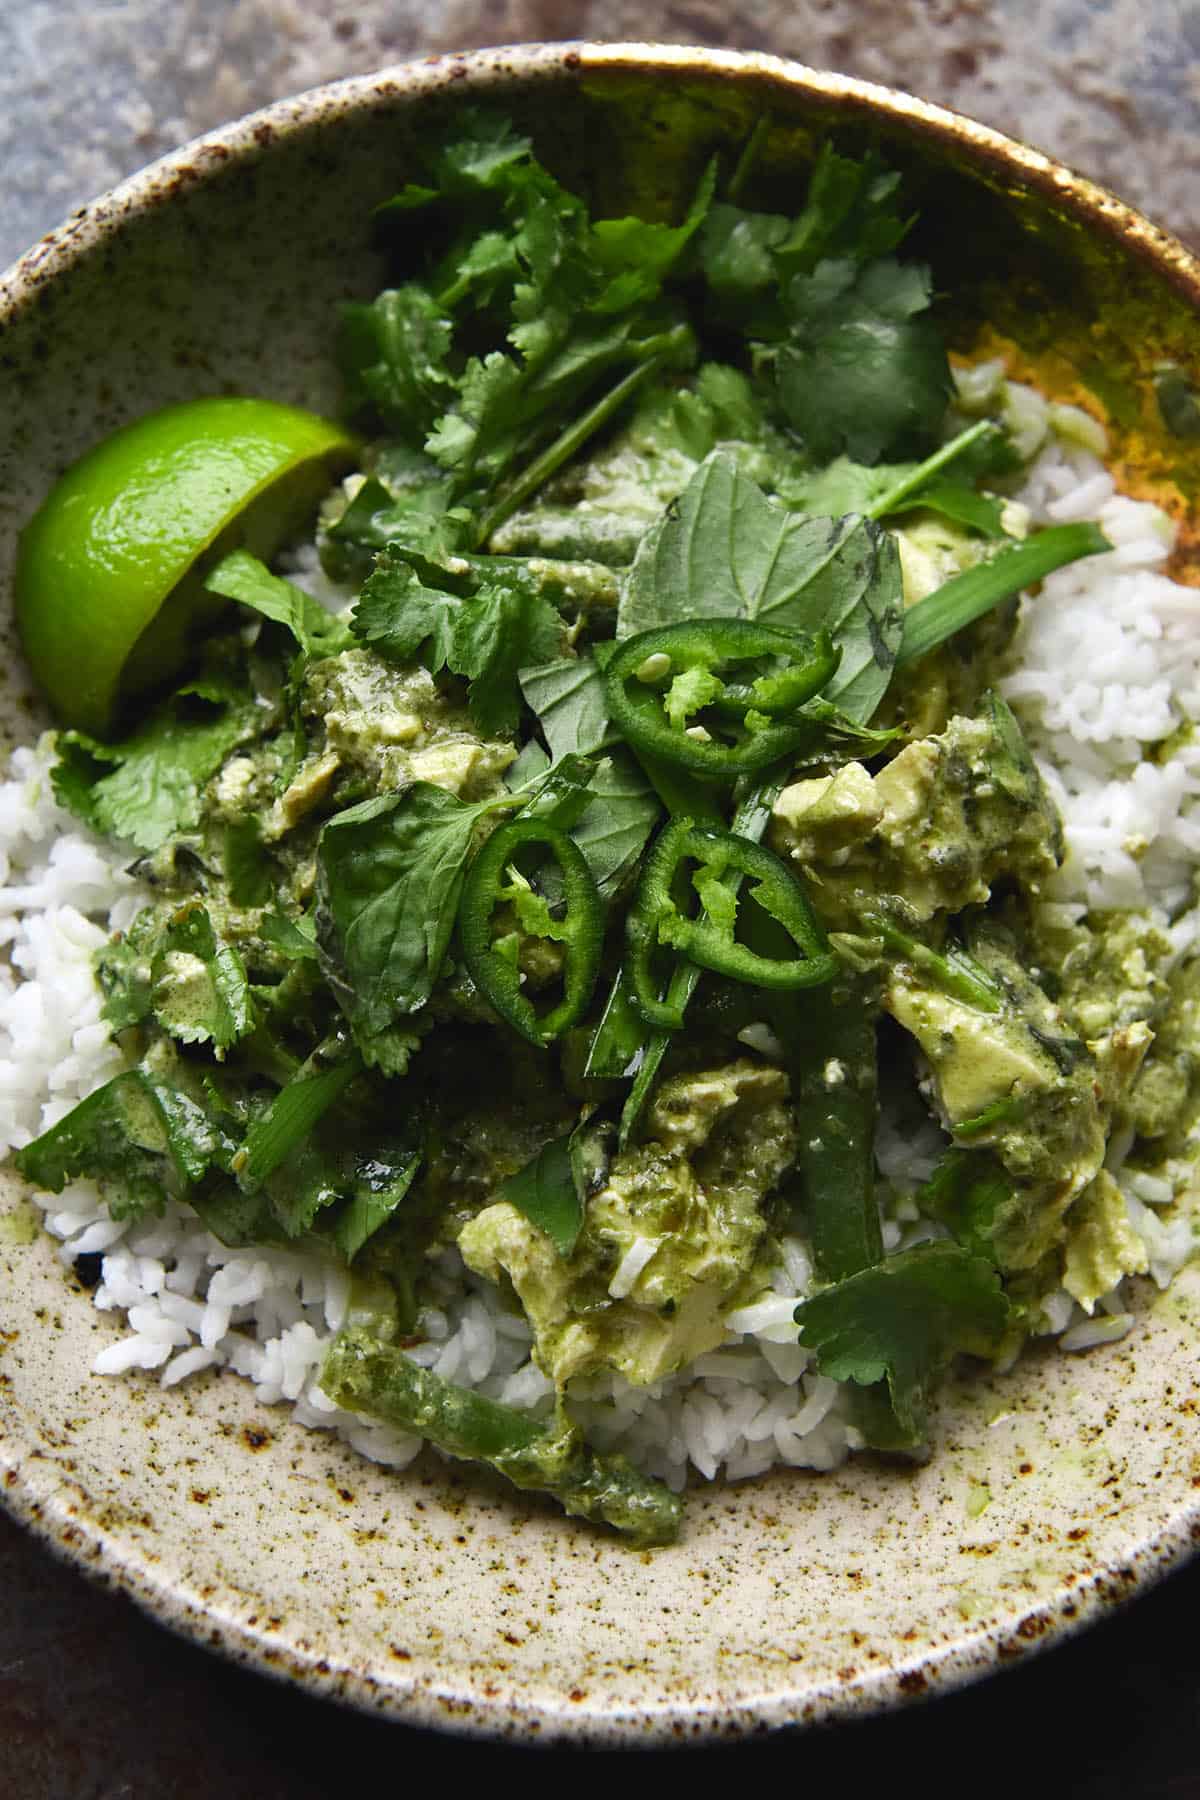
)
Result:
{"points": [[109, 588]]}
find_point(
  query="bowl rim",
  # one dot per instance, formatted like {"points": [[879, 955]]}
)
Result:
{"points": [[97, 1550]]}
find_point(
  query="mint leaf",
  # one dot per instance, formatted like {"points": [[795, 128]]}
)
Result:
{"points": [[904, 1319], [390, 873], [725, 550]]}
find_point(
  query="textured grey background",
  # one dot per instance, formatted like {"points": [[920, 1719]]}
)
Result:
{"points": [[89, 93], [96, 1703]]}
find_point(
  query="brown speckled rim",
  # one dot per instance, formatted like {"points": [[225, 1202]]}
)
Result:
{"points": [[33, 1489]]}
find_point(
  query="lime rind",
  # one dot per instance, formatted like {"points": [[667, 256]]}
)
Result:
{"points": [[104, 603]]}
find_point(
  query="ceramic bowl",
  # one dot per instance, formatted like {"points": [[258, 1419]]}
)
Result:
{"points": [[1056, 1489]]}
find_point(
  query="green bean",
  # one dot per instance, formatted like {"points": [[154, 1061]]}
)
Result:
{"points": [[364, 1374]]}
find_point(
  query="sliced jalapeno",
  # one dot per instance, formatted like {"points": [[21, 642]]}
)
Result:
{"points": [[709, 940], [660, 679], [580, 930]]}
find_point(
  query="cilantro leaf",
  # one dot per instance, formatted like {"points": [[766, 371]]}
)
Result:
{"points": [[496, 633], [393, 358], [148, 787], [396, 612], [737, 254], [486, 636], [390, 873], [850, 212], [863, 369], [638, 254], [725, 550], [904, 1319], [420, 516]]}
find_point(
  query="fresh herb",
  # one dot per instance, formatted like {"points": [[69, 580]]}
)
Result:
{"points": [[487, 636], [149, 787], [569, 699], [137, 1137], [966, 597], [546, 1191], [904, 1319], [289, 1119], [199, 990], [727, 551], [390, 875], [241, 577]]}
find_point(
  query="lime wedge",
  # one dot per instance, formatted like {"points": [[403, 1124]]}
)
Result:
{"points": [[109, 579]]}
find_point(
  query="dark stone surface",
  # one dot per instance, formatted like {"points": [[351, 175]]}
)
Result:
{"points": [[96, 1701]]}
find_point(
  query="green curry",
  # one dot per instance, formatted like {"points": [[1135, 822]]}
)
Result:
{"points": [[614, 1077]]}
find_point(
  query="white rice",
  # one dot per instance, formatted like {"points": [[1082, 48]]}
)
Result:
{"points": [[1105, 668]]}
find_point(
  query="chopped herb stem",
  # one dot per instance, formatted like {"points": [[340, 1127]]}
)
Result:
{"points": [[933, 465], [568, 442]]}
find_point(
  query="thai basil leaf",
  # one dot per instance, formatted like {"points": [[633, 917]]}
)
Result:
{"points": [[727, 551], [390, 873]]}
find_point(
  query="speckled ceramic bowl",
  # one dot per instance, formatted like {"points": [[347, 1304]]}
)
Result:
{"points": [[1056, 1489]]}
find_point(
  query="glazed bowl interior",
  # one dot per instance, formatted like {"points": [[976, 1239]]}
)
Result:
{"points": [[435, 1595]]}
